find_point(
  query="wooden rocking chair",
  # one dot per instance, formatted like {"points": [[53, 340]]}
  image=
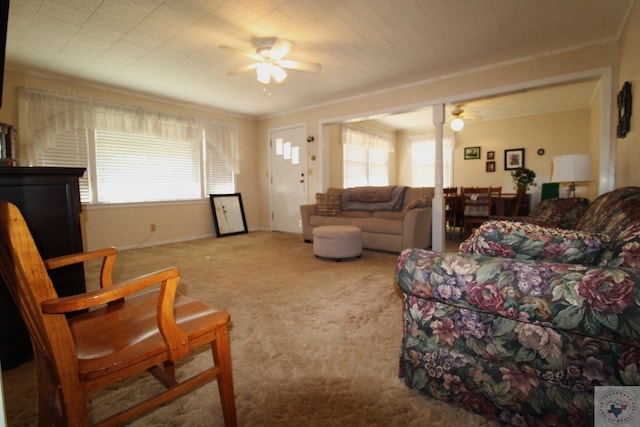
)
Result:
{"points": [[114, 338]]}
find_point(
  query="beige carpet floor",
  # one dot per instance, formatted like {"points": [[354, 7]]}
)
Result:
{"points": [[313, 342]]}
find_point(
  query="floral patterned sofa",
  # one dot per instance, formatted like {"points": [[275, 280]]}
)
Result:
{"points": [[523, 322], [556, 212]]}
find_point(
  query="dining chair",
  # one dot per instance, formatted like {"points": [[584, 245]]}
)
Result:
{"points": [[452, 210], [476, 205], [114, 333]]}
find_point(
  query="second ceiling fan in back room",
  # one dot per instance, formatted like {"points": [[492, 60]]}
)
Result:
{"points": [[270, 63], [458, 116]]}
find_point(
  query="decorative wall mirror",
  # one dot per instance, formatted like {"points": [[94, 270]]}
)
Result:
{"points": [[228, 214]]}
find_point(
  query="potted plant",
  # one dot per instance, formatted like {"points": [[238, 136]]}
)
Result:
{"points": [[523, 179]]}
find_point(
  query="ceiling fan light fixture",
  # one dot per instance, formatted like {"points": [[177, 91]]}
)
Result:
{"points": [[278, 74], [269, 61], [457, 124], [264, 73]]}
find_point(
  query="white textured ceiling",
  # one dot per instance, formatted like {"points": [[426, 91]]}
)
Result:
{"points": [[170, 48]]}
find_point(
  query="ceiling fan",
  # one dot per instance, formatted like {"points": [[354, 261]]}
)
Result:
{"points": [[457, 123], [458, 114], [270, 64]]}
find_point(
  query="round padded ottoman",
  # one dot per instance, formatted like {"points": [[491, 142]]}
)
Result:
{"points": [[337, 241]]}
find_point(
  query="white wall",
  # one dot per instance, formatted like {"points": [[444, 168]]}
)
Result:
{"points": [[557, 133]]}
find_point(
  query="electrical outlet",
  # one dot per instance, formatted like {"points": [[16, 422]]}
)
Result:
{"points": [[153, 227]]}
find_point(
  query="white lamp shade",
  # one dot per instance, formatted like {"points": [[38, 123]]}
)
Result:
{"points": [[572, 168]]}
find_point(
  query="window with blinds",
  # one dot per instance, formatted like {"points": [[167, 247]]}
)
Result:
{"points": [[364, 166], [219, 176], [69, 149], [126, 168], [423, 161], [140, 168]]}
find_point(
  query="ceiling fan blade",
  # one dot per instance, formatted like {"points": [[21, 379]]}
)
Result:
{"points": [[280, 49], [251, 55], [243, 69], [309, 67]]}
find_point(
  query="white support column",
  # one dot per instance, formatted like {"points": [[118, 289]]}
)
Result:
{"points": [[437, 229]]}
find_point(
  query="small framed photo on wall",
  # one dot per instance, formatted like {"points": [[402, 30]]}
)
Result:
{"points": [[491, 167], [471, 153], [514, 158], [491, 155]]}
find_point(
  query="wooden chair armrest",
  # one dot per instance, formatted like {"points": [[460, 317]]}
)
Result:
{"points": [[106, 272], [176, 340], [112, 293]]}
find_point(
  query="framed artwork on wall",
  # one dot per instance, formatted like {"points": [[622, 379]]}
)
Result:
{"points": [[471, 153], [491, 167], [514, 158], [624, 110], [491, 155]]}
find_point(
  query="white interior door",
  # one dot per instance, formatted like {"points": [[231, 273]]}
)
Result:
{"points": [[288, 152]]}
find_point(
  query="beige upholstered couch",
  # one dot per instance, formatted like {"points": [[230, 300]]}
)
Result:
{"points": [[391, 218]]}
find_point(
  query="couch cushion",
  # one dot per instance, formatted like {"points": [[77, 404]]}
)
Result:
{"points": [[388, 215], [328, 204], [356, 214], [612, 211], [616, 213], [319, 220], [530, 241], [378, 225], [559, 212]]}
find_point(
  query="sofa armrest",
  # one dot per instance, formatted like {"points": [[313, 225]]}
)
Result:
{"points": [[523, 240], [587, 300], [305, 214], [416, 228]]}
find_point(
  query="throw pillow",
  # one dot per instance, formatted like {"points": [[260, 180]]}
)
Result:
{"points": [[420, 202], [328, 204], [522, 240]]}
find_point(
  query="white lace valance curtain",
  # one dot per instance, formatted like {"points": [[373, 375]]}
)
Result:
{"points": [[43, 115], [367, 138]]}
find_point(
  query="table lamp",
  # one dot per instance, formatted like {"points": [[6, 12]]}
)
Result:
{"points": [[572, 168]]}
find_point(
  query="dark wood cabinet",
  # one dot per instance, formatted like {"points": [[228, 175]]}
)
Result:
{"points": [[49, 199]]}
